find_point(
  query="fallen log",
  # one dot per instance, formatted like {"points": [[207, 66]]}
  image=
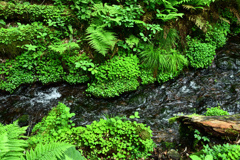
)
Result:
{"points": [[217, 126]]}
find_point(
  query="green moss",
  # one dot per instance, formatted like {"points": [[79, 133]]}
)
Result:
{"points": [[13, 39], [173, 119], [168, 145], [232, 132], [112, 88], [13, 49], [35, 12]]}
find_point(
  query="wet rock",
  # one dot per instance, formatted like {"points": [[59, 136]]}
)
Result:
{"points": [[226, 63], [174, 154]]}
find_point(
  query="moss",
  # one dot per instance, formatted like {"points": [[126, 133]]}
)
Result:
{"points": [[232, 132], [173, 119], [12, 50], [35, 12], [23, 120], [168, 145]]}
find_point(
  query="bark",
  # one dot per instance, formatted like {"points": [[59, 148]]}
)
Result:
{"points": [[218, 126]]}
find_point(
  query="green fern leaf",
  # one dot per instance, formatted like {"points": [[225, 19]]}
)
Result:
{"points": [[100, 39], [52, 150], [11, 146]]}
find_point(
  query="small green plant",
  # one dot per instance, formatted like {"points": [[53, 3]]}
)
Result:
{"points": [[114, 138], [195, 157], [200, 54], [107, 138], [216, 111], [56, 124], [116, 76], [217, 34], [146, 76], [225, 151], [198, 137]]}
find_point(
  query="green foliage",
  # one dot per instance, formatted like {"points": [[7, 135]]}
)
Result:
{"points": [[30, 13], [224, 151], [117, 68], [11, 144], [226, 13], [200, 54], [162, 60], [115, 138], [100, 39], [49, 69], [22, 35], [199, 138], [166, 39], [54, 151], [56, 124], [195, 157], [132, 40], [113, 88], [216, 111], [77, 66], [116, 76], [146, 76], [109, 138], [61, 47], [217, 35], [50, 52], [17, 78], [81, 8]]}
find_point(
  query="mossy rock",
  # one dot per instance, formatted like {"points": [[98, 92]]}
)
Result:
{"points": [[12, 50], [144, 134]]}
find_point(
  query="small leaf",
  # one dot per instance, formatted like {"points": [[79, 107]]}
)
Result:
{"points": [[132, 116]]}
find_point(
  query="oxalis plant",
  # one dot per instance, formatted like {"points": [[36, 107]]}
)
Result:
{"points": [[108, 138]]}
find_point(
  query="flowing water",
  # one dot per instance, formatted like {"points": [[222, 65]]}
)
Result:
{"points": [[191, 92]]}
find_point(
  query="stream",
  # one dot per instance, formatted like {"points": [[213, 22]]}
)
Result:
{"points": [[191, 92]]}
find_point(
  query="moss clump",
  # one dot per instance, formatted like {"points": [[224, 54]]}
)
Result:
{"points": [[13, 39]]}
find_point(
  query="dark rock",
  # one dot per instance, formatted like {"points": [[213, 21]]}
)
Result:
{"points": [[174, 154]]}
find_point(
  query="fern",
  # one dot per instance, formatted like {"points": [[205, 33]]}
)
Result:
{"points": [[132, 40], [105, 9], [100, 39], [199, 21], [61, 47], [53, 151], [11, 146]]}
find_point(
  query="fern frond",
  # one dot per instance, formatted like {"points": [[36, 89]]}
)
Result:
{"points": [[224, 19], [236, 13], [199, 21], [11, 146], [104, 8], [132, 40], [61, 47], [100, 39], [188, 7], [52, 150]]}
